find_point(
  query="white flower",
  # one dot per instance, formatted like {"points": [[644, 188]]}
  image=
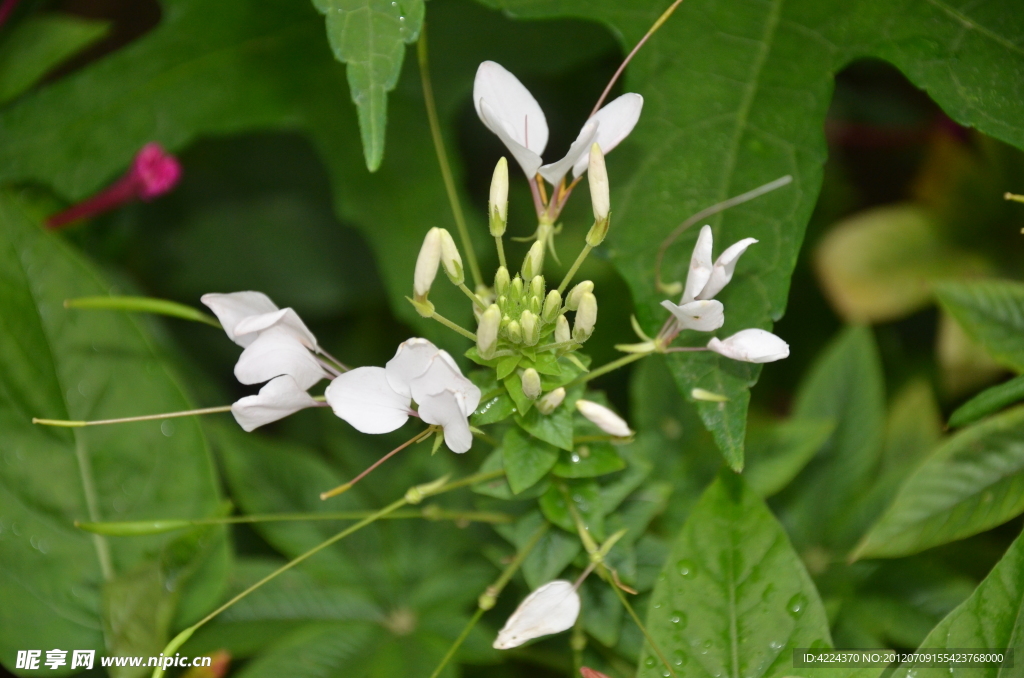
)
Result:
{"points": [[279, 398], [604, 418], [752, 346], [697, 309], [552, 608], [377, 399], [243, 315], [508, 109]]}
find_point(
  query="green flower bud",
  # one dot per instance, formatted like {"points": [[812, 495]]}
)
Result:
{"points": [[530, 324], [552, 305], [531, 383], [533, 264], [501, 281], [497, 206], [586, 318], [535, 305], [515, 332], [537, 287], [572, 301], [550, 402], [487, 332], [562, 333], [517, 288]]}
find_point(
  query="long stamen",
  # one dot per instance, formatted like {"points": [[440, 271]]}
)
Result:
{"points": [[125, 420], [538, 204], [1013, 196], [143, 305], [340, 365], [423, 435]]}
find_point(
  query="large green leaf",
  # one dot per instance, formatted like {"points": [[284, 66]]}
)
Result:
{"points": [[62, 364], [992, 313], [735, 96], [972, 483], [733, 598], [991, 619], [370, 36]]}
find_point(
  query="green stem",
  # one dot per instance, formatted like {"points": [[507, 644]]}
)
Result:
{"points": [[442, 157], [629, 608], [64, 423], [92, 505], [605, 369], [501, 250], [452, 326], [575, 267], [475, 299], [144, 305]]}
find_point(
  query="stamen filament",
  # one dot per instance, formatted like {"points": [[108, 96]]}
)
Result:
{"points": [[452, 326], [148, 417], [442, 157], [422, 435], [144, 305], [538, 204], [575, 267], [340, 365]]}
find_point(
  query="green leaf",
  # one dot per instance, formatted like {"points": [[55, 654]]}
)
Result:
{"points": [[776, 453], [992, 618], [526, 459], [733, 598], [844, 385], [971, 483], [60, 364], [370, 36], [588, 460], [555, 428], [992, 313], [37, 44], [499, 487], [552, 554], [507, 365], [988, 401], [494, 409], [585, 496]]}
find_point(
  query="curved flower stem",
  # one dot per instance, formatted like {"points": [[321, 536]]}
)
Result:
{"points": [[575, 267], [442, 157], [488, 598], [605, 369], [419, 437], [147, 417], [629, 608], [453, 326]]}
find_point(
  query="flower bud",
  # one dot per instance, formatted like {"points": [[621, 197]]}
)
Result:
{"points": [[550, 402], [535, 305], [533, 264], [586, 318], [530, 324], [552, 608], [562, 333], [531, 383], [487, 331], [426, 264], [537, 287], [501, 281], [451, 259], [515, 332], [517, 287], [552, 305], [604, 418], [497, 206], [572, 301], [597, 176], [752, 346]]}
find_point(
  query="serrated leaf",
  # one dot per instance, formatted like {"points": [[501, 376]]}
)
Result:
{"points": [[992, 313], [526, 459], [776, 453], [733, 599], [988, 401], [370, 36], [971, 483]]}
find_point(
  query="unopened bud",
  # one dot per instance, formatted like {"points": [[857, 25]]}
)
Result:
{"points": [[552, 305], [515, 332], [451, 259], [531, 383], [572, 301], [517, 287], [586, 318], [426, 264], [533, 264], [497, 207], [597, 177], [537, 287], [562, 333], [487, 331], [501, 281], [604, 418], [550, 402], [535, 305], [530, 324]]}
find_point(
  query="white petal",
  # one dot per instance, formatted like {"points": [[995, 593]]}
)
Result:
{"points": [[702, 316], [604, 418], [527, 159], [448, 410], [751, 346], [443, 375], [286, 318], [578, 152], [552, 608], [231, 308], [617, 119], [411, 360], [363, 398], [723, 269], [700, 266], [276, 351], [280, 397], [512, 103]]}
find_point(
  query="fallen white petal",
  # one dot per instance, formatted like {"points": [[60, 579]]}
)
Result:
{"points": [[702, 316], [277, 351], [700, 266], [280, 397], [752, 346], [552, 608], [285, 317], [725, 265], [527, 159], [448, 410], [511, 102], [231, 308], [604, 418], [578, 152], [363, 398], [617, 118]]}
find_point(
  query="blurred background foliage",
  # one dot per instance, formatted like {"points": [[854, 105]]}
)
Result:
{"points": [[276, 196]]}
